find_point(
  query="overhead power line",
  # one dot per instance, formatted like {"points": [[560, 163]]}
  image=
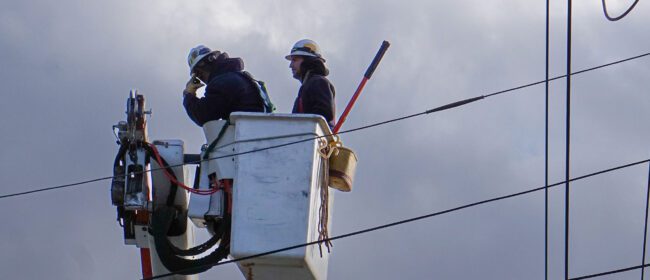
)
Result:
{"points": [[567, 165], [437, 109], [645, 222], [567, 149], [610, 18], [546, 73], [574, 73], [611, 272], [57, 187], [406, 220]]}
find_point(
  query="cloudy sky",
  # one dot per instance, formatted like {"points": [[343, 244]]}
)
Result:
{"points": [[67, 67]]}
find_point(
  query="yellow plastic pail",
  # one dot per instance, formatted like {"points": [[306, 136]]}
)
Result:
{"points": [[343, 164]]}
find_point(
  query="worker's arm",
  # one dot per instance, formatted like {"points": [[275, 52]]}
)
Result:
{"points": [[318, 98], [212, 106]]}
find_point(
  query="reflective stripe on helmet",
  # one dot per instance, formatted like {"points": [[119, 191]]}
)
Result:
{"points": [[196, 55], [305, 47]]}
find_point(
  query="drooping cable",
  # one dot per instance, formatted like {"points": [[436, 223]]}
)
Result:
{"points": [[610, 18], [645, 226], [342, 132], [568, 143], [411, 219]]}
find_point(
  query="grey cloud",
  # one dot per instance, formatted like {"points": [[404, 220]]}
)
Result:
{"points": [[68, 66]]}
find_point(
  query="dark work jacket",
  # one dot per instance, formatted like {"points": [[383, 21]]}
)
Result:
{"points": [[227, 91], [316, 96]]}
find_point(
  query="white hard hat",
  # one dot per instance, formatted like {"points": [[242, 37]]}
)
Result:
{"points": [[196, 54], [305, 47]]}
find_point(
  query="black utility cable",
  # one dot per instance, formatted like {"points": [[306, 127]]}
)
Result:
{"points": [[546, 145], [645, 227], [574, 73], [57, 187], [618, 17], [611, 272], [346, 131], [411, 219], [568, 143]]}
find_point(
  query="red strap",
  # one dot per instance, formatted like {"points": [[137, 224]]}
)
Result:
{"points": [[172, 179], [300, 108], [226, 184]]}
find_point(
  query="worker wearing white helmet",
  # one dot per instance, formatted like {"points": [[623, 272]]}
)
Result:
{"points": [[316, 94], [229, 88]]}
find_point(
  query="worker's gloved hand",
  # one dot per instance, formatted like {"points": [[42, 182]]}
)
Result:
{"points": [[193, 84]]}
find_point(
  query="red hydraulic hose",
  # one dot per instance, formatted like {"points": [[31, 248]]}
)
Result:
{"points": [[366, 77], [173, 180]]}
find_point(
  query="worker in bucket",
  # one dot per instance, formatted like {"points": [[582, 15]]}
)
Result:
{"points": [[229, 89], [316, 94]]}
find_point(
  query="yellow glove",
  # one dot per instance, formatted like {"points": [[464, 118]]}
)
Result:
{"points": [[193, 84]]}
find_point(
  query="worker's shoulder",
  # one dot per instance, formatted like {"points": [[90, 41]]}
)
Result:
{"points": [[317, 80], [230, 78]]}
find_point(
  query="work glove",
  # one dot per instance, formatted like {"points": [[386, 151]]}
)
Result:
{"points": [[193, 84]]}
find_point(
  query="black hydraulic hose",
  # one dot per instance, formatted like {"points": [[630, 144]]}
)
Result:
{"points": [[120, 153], [200, 249], [161, 221], [220, 228], [118, 183], [221, 231]]}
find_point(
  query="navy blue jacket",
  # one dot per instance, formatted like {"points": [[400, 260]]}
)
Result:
{"points": [[316, 96], [227, 91]]}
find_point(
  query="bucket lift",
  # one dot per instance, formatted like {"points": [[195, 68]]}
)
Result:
{"points": [[261, 184]]}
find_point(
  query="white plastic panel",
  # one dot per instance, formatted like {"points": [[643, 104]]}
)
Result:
{"points": [[224, 167], [212, 206], [277, 196], [141, 236], [172, 151]]}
